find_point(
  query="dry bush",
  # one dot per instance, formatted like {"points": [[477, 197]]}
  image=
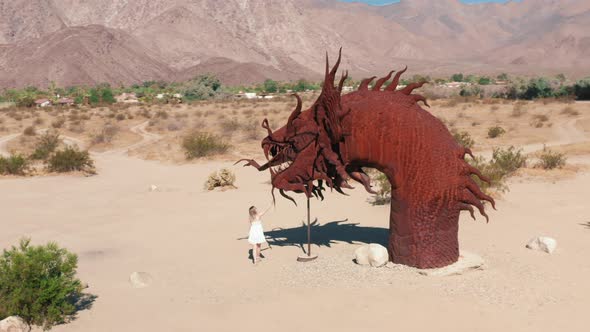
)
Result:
{"points": [[570, 111], [252, 130], [38, 121], [496, 131], [201, 144], [59, 122], [162, 115], [518, 110], [30, 131], [106, 134], [549, 159], [224, 178], [45, 145], [463, 138], [494, 108], [538, 120], [16, 164], [174, 126], [229, 126], [120, 117], [503, 164], [71, 159], [77, 127]]}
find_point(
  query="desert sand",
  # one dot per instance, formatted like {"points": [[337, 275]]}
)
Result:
{"points": [[192, 242]]}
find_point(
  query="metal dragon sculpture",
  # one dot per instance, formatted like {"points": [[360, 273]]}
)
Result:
{"points": [[383, 128]]}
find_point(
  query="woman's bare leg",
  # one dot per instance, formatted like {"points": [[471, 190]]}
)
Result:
{"points": [[258, 246], [254, 254]]}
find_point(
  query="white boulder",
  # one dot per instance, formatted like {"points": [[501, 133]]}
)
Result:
{"points": [[361, 255], [372, 254], [153, 187], [542, 243], [140, 279], [13, 324]]}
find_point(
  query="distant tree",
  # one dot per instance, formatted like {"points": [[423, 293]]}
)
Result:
{"points": [[538, 88], [271, 86], [457, 77], [561, 78], [201, 87], [94, 97], [502, 77], [484, 80], [107, 96], [582, 89]]}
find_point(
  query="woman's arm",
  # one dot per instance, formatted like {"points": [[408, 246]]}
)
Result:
{"points": [[266, 210]]}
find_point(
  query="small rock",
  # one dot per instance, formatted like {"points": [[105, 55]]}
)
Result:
{"points": [[372, 254], [361, 255], [140, 279], [13, 324], [390, 265], [467, 262], [378, 255], [543, 243], [153, 187]]}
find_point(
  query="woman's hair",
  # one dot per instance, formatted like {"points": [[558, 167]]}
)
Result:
{"points": [[252, 211]]}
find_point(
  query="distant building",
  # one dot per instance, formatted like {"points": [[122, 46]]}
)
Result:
{"points": [[43, 102], [127, 98], [65, 101]]}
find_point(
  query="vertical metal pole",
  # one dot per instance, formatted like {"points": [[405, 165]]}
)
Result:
{"points": [[308, 230]]}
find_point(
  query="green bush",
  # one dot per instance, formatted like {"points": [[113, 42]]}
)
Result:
{"points": [[199, 144], [46, 144], [549, 159], [504, 163], [463, 138], [16, 164], [383, 189], [39, 284], [496, 131], [70, 159]]}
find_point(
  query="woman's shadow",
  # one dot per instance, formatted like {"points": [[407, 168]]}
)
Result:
{"points": [[325, 235]]}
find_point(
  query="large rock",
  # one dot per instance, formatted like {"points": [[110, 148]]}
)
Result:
{"points": [[13, 324], [372, 254], [140, 279], [542, 243], [361, 255]]}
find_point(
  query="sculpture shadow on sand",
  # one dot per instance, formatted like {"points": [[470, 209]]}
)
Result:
{"points": [[326, 234]]}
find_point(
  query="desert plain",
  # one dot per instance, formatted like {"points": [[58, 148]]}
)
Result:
{"points": [[192, 242]]}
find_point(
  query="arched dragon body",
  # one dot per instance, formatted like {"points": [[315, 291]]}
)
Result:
{"points": [[386, 129]]}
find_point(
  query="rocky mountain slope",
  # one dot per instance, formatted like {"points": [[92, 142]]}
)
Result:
{"points": [[122, 41]]}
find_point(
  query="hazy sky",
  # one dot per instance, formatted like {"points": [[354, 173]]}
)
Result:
{"points": [[383, 2]]}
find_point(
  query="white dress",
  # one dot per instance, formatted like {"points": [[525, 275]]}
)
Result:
{"points": [[256, 234]]}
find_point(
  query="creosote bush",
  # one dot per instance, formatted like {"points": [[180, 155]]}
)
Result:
{"points": [[463, 138], [201, 144], [504, 163], [46, 144], [30, 131], [224, 178], [496, 131], [39, 284], [16, 164], [549, 159], [383, 188], [71, 159]]}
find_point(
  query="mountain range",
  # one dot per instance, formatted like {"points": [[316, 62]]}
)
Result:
{"points": [[73, 42]]}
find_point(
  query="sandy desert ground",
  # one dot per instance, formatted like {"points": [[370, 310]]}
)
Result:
{"points": [[192, 242]]}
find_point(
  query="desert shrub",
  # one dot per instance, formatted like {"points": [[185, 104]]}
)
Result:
{"points": [[16, 164], [120, 117], [201, 144], [39, 284], [223, 178], [504, 163], [539, 120], [174, 126], [549, 159], [71, 159], [229, 125], [58, 123], [570, 111], [508, 160], [106, 134], [496, 131], [463, 138], [383, 189], [46, 144], [30, 131], [38, 121], [162, 114], [252, 130]]}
